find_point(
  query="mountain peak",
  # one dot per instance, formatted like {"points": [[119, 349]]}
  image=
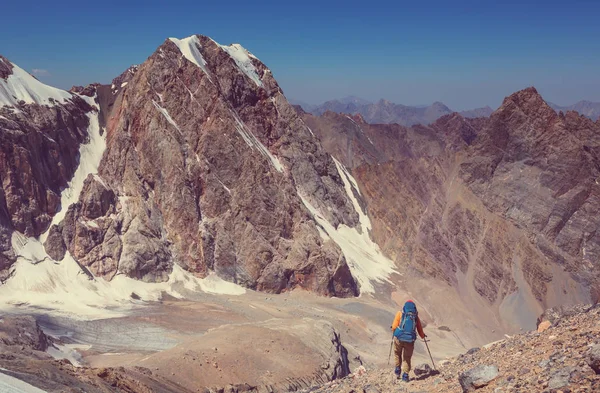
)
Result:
{"points": [[526, 94], [191, 48], [528, 100], [354, 100], [440, 106]]}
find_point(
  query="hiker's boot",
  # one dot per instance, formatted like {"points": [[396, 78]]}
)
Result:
{"points": [[405, 377], [397, 372]]}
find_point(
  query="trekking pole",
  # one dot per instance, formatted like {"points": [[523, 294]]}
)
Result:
{"points": [[429, 353], [391, 345]]}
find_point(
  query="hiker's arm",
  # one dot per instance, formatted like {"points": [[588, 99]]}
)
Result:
{"points": [[397, 320], [420, 328]]}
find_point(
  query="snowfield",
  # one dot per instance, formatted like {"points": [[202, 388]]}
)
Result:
{"points": [[62, 286], [10, 384]]}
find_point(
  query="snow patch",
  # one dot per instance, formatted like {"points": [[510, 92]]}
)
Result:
{"points": [[90, 155], [346, 176], [68, 352], [41, 283], [166, 115], [90, 100], [253, 141], [190, 49], [360, 129], [10, 384], [364, 257], [224, 186], [243, 59], [124, 84], [21, 86]]}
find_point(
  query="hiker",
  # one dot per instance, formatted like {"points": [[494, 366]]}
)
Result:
{"points": [[405, 328]]}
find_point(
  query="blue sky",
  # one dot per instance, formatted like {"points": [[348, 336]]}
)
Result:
{"points": [[463, 53]]}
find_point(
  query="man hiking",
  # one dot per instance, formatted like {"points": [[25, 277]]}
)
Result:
{"points": [[405, 328]]}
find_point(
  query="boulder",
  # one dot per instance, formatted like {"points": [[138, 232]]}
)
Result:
{"points": [[560, 378], [473, 350], [477, 377], [55, 244], [543, 326], [422, 369], [593, 358]]}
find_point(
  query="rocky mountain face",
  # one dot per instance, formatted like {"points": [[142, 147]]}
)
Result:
{"points": [[41, 131], [586, 108], [208, 166], [386, 112], [503, 209]]}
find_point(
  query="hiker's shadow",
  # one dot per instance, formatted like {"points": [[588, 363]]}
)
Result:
{"points": [[430, 373]]}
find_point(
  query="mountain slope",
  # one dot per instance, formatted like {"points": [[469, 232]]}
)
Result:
{"points": [[502, 210]]}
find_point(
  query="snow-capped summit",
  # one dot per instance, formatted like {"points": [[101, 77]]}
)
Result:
{"points": [[17, 85], [191, 48]]}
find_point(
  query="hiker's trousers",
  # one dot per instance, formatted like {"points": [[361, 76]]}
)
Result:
{"points": [[403, 352]]}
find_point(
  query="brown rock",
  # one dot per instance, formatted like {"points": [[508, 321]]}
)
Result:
{"points": [[542, 327]]}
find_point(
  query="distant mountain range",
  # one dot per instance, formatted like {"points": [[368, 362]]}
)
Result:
{"points": [[586, 108], [386, 112]]}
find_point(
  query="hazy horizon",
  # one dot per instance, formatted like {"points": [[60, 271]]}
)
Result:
{"points": [[466, 54]]}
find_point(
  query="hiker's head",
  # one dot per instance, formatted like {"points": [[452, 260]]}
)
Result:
{"points": [[409, 306]]}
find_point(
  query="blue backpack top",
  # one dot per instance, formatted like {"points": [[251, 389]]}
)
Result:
{"points": [[407, 330]]}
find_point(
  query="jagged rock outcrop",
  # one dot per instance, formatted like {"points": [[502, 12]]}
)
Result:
{"points": [[41, 130], [204, 167]]}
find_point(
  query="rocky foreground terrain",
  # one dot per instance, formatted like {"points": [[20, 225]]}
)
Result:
{"points": [[563, 355]]}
